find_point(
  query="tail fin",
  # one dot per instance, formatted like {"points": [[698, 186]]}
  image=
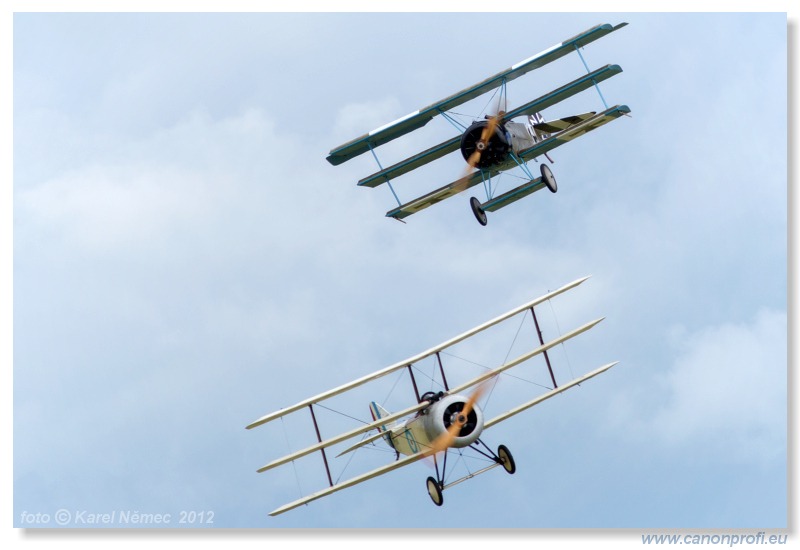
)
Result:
{"points": [[377, 413], [533, 120]]}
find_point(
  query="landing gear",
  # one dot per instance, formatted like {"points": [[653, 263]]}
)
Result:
{"points": [[548, 178], [493, 203], [480, 214], [505, 459], [436, 485], [435, 491]]}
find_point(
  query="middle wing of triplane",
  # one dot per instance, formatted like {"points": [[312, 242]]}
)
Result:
{"points": [[438, 151], [422, 403]]}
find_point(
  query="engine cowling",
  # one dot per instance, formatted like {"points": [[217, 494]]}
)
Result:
{"points": [[445, 412], [494, 150]]}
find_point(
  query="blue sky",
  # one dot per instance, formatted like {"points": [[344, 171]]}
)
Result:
{"points": [[185, 261]]}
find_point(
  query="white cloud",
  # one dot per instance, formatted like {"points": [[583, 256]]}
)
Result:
{"points": [[223, 260], [355, 119], [727, 389], [107, 207]]}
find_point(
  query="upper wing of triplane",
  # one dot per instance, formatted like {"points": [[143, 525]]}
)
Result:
{"points": [[420, 118]]}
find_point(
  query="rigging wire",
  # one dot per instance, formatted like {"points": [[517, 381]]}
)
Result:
{"points": [[501, 374], [341, 413], [505, 359], [563, 346], [429, 377], [294, 466], [344, 468], [490, 100], [396, 380]]}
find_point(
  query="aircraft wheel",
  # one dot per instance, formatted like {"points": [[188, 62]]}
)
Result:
{"points": [[548, 178], [506, 459], [480, 214], [435, 491]]}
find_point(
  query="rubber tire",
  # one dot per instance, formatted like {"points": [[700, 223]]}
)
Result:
{"points": [[479, 212], [434, 491], [506, 459], [548, 178]]}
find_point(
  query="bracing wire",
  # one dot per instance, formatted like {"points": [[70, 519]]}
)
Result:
{"points": [[391, 391], [514, 341], [428, 376], [341, 413], [289, 449], [490, 100], [507, 374], [344, 469], [563, 346], [505, 359]]}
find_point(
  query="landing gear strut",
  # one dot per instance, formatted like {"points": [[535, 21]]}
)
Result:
{"points": [[495, 203], [436, 485]]}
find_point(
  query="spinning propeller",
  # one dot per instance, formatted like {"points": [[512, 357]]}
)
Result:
{"points": [[482, 145], [459, 418]]}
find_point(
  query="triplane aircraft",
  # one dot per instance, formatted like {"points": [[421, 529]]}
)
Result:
{"points": [[497, 143], [440, 422]]}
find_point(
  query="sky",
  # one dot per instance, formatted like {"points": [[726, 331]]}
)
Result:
{"points": [[185, 261]]}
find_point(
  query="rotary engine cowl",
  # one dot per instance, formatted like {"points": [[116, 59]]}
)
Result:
{"points": [[494, 151], [442, 414]]}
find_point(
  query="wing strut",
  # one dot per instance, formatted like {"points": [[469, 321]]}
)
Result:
{"points": [[541, 342], [388, 181], [596, 87], [322, 449], [414, 382]]}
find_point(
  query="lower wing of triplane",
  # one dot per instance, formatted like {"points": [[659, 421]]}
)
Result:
{"points": [[427, 404], [533, 185]]}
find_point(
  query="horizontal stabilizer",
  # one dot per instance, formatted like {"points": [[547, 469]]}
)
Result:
{"points": [[575, 131], [554, 126], [365, 441]]}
